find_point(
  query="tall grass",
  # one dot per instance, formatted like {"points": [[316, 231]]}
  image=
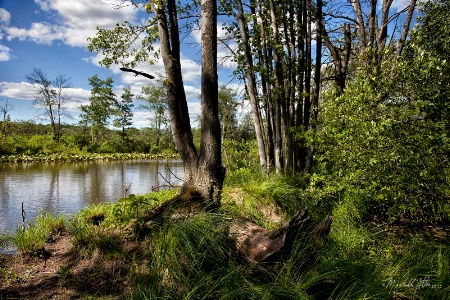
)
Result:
{"points": [[194, 257], [33, 236], [361, 260]]}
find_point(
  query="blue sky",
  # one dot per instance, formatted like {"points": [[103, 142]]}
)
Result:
{"points": [[52, 35]]}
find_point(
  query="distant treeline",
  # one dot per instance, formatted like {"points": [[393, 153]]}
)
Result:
{"points": [[36, 139], [31, 138]]}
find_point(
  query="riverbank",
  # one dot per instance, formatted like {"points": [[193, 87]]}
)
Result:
{"points": [[59, 157], [95, 255]]}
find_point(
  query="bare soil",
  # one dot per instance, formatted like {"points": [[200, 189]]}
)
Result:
{"points": [[67, 274]]}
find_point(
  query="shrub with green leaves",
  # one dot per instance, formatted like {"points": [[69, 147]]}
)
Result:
{"points": [[383, 146]]}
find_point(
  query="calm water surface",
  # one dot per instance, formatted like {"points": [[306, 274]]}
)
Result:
{"points": [[67, 187]]}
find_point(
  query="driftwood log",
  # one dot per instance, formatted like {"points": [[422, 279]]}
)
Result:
{"points": [[253, 242], [258, 244]]}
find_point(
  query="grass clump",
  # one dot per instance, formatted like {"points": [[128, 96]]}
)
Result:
{"points": [[30, 238]]}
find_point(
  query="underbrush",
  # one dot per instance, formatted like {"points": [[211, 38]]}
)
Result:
{"points": [[362, 259]]}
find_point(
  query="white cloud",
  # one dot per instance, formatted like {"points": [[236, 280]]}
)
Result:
{"points": [[17, 90], [5, 16], [398, 5], [195, 110], [26, 91], [43, 4], [223, 51], [192, 92], [77, 20], [4, 53], [40, 33], [78, 94]]}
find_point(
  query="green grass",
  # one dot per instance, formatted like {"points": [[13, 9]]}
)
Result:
{"points": [[193, 258], [33, 236]]}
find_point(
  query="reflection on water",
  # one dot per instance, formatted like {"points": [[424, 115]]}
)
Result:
{"points": [[67, 187]]}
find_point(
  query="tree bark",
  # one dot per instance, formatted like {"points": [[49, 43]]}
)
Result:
{"points": [[210, 173], [204, 171], [279, 87], [401, 41], [317, 76], [252, 93], [361, 27], [382, 35]]}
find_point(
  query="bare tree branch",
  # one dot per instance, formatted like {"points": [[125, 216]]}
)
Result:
{"points": [[136, 73]]}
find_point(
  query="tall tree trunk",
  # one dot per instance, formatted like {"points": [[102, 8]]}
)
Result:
{"points": [[251, 85], [291, 78], [361, 27], [204, 172], [401, 41], [382, 35], [301, 33], [210, 173], [307, 100], [315, 102], [372, 23], [279, 87], [265, 57]]}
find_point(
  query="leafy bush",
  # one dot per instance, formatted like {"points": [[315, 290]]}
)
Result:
{"points": [[381, 146]]}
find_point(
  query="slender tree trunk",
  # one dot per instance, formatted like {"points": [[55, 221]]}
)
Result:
{"points": [[382, 35], [373, 23], [289, 121], [401, 42], [279, 88], [317, 76], [265, 57], [252, 93], [361, 27], [301, 33], [211, 173], [176, 96], [307, 100]]}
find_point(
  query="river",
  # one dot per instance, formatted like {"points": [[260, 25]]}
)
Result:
{"points": [[67, 187]]}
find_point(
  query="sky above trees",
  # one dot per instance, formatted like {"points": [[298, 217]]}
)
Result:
{"points": [[52, 35]]}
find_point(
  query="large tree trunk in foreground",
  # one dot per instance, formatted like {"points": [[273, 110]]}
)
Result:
{"points": [[203, 171]]}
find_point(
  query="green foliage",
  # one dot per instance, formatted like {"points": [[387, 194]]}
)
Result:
{"points": [[89, 231], [433, 31], [93, 226], [237, 155], [124, 113], [33, 236], [228, 104], [383, 145], [375, 262], [28, 141], [130, 208], [155, 97], [101, 107]]}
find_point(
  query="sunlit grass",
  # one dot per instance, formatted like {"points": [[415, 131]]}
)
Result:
{"points": [[33, 236], [194, 258]]}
